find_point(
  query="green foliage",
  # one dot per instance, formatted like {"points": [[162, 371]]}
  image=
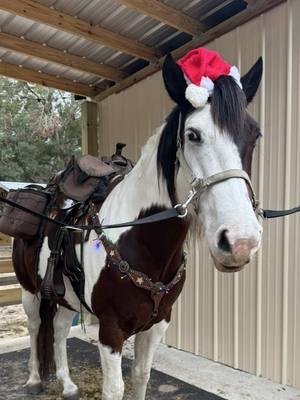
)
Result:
{"points": [[39, 131]]}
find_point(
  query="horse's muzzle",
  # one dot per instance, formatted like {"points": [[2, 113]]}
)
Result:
{"points": [[233, 251]]}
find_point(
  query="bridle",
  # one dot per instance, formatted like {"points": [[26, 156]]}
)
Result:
{"points": [[200, 185]]}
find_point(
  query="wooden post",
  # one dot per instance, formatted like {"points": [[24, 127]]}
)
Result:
{"points": [[89, 128]]}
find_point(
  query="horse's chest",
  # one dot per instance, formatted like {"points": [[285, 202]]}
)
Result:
{"points": [[115, 297]]}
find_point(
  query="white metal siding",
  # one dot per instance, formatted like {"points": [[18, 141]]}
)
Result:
{"points": [[250, 320]]}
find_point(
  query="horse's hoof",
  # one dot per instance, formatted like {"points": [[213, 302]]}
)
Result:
{"points": [[34, 389], [73, 396]]}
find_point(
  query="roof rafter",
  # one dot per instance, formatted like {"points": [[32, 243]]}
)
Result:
{"points": [[166, 14], [250, 12], [64, 22], [29, 75], [37, 50]]}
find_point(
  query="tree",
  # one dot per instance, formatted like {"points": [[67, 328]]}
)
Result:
{"points": [[39, 131]]}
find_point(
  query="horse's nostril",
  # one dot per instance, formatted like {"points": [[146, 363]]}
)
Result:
{"points": [[223, 242]]}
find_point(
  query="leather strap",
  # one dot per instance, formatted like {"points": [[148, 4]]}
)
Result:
{"points": [[269, 214]]}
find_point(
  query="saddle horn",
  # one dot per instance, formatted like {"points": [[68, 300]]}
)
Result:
{"points": [[119, 148]]}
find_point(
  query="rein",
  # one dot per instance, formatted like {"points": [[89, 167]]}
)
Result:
{"points": [[160, 216]]}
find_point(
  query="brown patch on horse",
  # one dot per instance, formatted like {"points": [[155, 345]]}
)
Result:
{"points": [[25, 262], [156, 250]]}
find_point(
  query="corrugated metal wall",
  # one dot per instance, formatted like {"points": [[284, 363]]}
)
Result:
{"points": [[250, 320]]}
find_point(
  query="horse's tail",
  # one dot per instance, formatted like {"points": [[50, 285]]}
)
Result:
{"points": [[45, 339]]}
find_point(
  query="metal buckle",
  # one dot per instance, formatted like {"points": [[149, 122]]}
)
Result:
{"points": [[123, 266], [183, 207], [179, 207], [158, 287], [260, 212]]}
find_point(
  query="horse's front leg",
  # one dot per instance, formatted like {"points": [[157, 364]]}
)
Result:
{"points": [[62, 324], [145, 346], [111, 341]]}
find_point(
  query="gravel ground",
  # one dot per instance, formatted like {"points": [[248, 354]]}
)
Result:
{"points": [[13, 322]]}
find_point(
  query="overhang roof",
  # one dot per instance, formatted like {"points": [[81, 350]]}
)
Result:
{"points": [[97, 47]]}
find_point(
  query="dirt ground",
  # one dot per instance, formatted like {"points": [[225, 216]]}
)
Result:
{"points": [[12, 318]]}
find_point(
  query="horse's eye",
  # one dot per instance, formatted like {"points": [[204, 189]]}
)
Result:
{"points": [[194, 135]]}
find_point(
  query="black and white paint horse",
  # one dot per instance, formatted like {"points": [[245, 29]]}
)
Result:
{"points": [[215, 138]]}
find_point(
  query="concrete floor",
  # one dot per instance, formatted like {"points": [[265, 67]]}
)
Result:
{"points": [[221, 380]]}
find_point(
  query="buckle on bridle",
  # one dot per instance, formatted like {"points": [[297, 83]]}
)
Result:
{"points": [[182, 208]]}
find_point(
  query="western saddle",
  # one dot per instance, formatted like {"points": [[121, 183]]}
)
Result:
{"points": [[77, 194]]}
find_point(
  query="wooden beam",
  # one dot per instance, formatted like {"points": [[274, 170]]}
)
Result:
{"points": [[208, 36], [28, 75], [10, 294], [37, 50], [166, 14], [6, 265], [8, 278], [89, 128], [64, 22], [4, 240]]}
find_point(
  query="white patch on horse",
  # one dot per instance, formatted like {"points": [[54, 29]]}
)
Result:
{"points": [[145, 346], [225, 206], [113, 384], [70, 295], [62, 324], [31, 305]]}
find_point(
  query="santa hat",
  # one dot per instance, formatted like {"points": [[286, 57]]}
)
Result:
{"points": [[201, 67]]}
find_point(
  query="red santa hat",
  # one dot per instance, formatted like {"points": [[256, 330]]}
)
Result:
{"points": [[201, 67]]}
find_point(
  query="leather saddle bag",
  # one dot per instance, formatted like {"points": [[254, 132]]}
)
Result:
{"points": [[20, 224], [80, 178]]}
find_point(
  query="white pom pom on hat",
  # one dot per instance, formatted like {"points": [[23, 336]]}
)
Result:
{"points": [[201, 67], [196, 95]]}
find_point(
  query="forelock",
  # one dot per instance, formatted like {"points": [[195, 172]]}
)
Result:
{"points": [[228, 106]]}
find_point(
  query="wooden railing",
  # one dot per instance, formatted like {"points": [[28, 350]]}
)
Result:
{"points": [[10, 290]]}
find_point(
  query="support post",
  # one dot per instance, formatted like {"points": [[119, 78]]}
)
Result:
{"points": [[89, 128]]}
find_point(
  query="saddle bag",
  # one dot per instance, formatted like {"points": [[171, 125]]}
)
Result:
{"points": [[21, 224], [80, 178]]}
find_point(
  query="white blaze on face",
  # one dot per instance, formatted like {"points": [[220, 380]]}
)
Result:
{"points": [[226, 212]]}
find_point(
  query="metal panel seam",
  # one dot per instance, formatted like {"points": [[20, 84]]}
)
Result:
{"points": [[260, 193], [285, 277]]}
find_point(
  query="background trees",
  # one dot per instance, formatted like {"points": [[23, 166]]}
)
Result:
{"points": [[39, 131]]}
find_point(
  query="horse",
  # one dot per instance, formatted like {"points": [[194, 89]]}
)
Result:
{"points": [[192, 142]]}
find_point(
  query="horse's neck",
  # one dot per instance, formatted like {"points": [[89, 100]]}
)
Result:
{"points": [[140, 193]]}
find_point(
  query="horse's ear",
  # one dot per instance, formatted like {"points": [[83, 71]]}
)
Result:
{"points": [[251, 80], [174, 80]]}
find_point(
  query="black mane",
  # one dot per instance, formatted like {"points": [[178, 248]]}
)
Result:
{"points": [[228, 107], [166, 152]]}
